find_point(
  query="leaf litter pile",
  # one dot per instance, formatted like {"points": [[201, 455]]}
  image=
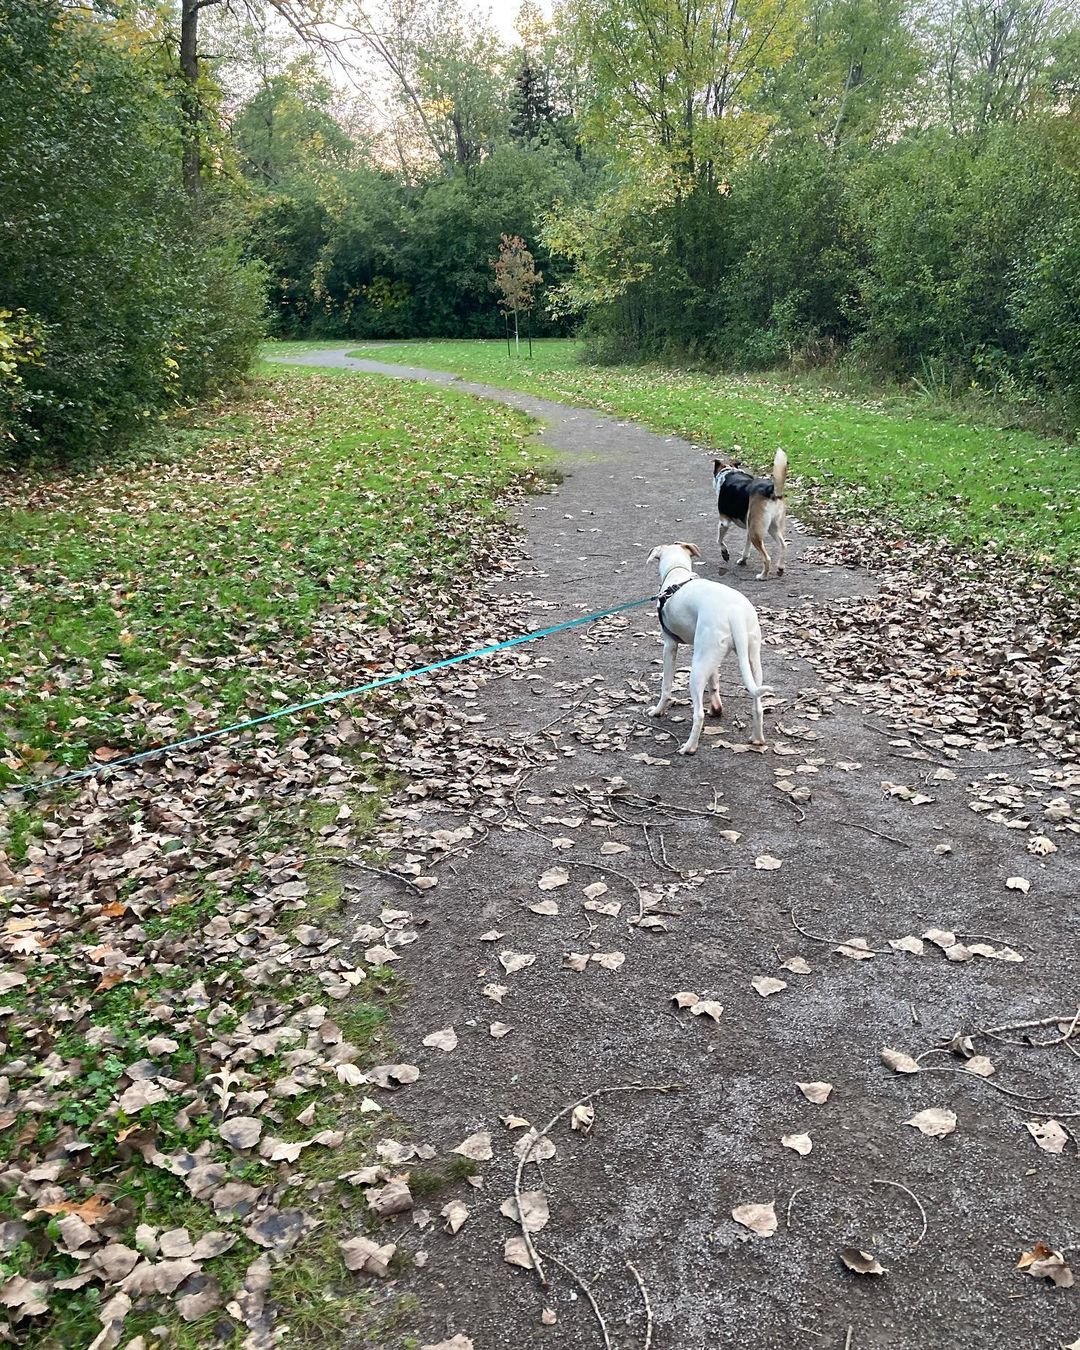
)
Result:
{"points": [[228, 1052], [186, 1031]]}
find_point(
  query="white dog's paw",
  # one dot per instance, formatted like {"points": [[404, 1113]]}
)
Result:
{"points": [[658, 711], [687, 749]]}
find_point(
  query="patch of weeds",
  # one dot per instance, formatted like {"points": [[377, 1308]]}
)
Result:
{"points": [[428, 1181]]}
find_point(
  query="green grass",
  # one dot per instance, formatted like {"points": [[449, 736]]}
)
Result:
{"points": [[926, 471], [153, 586]]}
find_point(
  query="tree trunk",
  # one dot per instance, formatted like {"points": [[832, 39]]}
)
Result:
{"points": [[528, 329], [517, 339], [189, 94], [506, 325]]}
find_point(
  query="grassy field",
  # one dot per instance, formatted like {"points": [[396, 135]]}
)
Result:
{"points": [[932, 474], [157, 581], [253, 558]]}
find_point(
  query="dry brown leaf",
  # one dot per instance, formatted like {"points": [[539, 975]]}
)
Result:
{"points": [[898, 1061], [684, 999], [766, 985], [393, 1198], [583, 1117], [475, 1146], [760, 1219], [549, 1319], [497, 1030], [241, 1131], [1018, 884], [512, 962], [1051, 1136], [914, 945], [940, 937], [1043, 1263], [818, 1093], [361, 1254], [595, 889], [515, 1253], [707, 1007], [495, 992], [547, 908], [609, 848], [800, 1143], [980, 1066], [765, 862], [514, 1122], [553, 878], [857, 948], [862, 1263], [936, 1122], [445, 1040], [533, 1212], [797, 965], [455, 1214], [609, 960], [1041, 846], [458, 1342]]}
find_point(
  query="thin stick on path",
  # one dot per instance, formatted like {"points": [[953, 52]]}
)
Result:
{"points": [[645, 1300], [884, 1181], [540, 1134], [582, 1285], [382, 872], [816, 937], [1023, 1026], [854, 825]]}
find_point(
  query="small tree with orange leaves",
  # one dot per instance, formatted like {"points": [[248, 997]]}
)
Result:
{"points": [[517, 279]]}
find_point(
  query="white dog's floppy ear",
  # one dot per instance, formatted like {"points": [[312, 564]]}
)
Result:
{"points": [[654, 556], [692, 549]]}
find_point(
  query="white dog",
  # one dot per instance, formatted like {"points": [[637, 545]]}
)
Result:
{"points": [[713, 618]]}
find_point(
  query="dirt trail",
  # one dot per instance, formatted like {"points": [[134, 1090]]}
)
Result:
{"points": [[656, 1181]]}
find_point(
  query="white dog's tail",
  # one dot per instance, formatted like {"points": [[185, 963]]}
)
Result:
{"points": [[741, 640], [779, 473]]}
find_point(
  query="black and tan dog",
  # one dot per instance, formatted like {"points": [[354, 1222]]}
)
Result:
{"points": [[755, 503]]}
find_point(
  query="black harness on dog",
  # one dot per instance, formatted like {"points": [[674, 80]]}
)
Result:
{"points": [[662, 599]]}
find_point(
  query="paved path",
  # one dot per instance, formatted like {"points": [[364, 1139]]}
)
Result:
{"points": [[657, 1180]]}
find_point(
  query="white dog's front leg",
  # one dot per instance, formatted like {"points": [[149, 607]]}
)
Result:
{"points": [[721, 534], [668, 680]]}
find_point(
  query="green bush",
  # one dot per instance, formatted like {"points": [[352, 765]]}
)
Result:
{"points": [[134, 305]]}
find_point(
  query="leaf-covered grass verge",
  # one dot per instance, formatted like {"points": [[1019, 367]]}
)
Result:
{"points": [[182, 925]]}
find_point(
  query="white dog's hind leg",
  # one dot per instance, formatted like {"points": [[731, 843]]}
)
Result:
{"points": [[700, 675], [668, 681], [716, 705], [745, 548], [776, 531]]}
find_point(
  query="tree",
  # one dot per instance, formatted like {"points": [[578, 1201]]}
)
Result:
{"points": [[517, 279]]}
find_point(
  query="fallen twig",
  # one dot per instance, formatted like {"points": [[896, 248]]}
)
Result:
{"points": [[1009, 1092], [854, 825], [787, 1216], [884, 1181], [645, 1299], [847, 1342], [816, 937], [1021, 1026], [527, 1153], [587, 1290], [382, 872], [1062, 1040]]}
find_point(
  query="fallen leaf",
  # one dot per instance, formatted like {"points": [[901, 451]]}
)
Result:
{"points": [[685, 998], [583, 1117], [442, 1040], [553, 878], [898, 1061], [533, 1212], [1043, 1263], [1041, 846], [862, 1263], [818, 1093], [241, 1131], [767, 985], [857, 948], [497, 1030], [455, 1214], [476, 1146], [360, 1253], [595, 889], [512, 962], [458, 1342], [935, 1121], [797, 965], [549, 1319], [980, 1066], [393, 1198], [765, 862], [760, 1219], [495, 992], [1018, 884], [515, 1253], [801, 1143], [547, 908], [707, 1007], [609, 960], [940, 937], [914, 945], [1050, 1136], [609, 848]]}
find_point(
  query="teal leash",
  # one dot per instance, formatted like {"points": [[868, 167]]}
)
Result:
{"points": [[293, 708]]}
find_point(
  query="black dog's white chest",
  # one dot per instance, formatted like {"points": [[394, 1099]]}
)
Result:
{"points": [[735, 490]]}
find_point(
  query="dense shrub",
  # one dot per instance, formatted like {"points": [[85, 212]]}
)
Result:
{"points": [[133, 303]]}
